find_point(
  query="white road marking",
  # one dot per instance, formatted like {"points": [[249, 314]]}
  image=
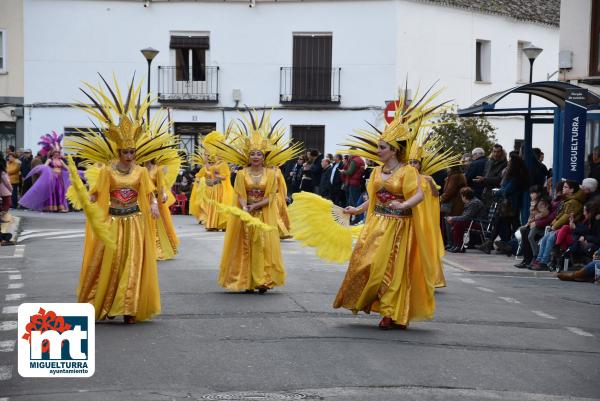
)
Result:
{"points": [[68, 236], [484, 289], [9, 310], [15, 277], [48, 233], [19, 251], [510, 300], [579, 332], [543, 314], [5, 372], [15, 286], [8, 325], [14, 297], [7, 346], [9, 271], [467, 280]]}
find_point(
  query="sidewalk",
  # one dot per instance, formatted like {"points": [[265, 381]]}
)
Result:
{"points": [[475, 261], [13, 228]]}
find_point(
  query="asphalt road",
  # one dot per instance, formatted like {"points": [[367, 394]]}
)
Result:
{"points": [[509, 338]]}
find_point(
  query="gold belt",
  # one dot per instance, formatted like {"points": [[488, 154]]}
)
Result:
{"points": [[123, 211], [388, 211]]}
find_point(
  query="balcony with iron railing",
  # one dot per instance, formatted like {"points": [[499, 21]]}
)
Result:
{"points": [[188, 84], [313, 85]]}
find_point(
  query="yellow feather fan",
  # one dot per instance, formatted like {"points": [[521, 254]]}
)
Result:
{"points": [[315, 222], [243, 215], [79, 196]]}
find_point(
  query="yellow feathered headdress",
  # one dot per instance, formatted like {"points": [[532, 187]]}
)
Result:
{"points": [[410, 117], [427, 149], [207, 152], [121, 125], [251, 134]]}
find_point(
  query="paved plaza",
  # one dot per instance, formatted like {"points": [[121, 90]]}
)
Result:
{"points": [[495, 336]]}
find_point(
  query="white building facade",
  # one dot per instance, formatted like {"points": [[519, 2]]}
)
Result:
{"points": [[11, 74], [324, 67], [580, 55]]}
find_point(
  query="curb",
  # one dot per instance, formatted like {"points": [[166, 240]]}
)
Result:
{"points": [[526, 273], [12, 227]]}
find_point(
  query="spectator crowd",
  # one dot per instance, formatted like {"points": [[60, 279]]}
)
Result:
{"points": [[491, 203]]}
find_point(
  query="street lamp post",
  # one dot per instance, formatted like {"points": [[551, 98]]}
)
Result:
{"points": [[149, 54], [531, 52]]}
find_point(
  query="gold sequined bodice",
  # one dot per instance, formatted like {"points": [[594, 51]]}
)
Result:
{"points": [[255, 184]]}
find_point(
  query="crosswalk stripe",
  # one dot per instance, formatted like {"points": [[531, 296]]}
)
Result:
{"points": [[14, 297], [5, 372], [7, 346], [10, 310], [8, 325]]}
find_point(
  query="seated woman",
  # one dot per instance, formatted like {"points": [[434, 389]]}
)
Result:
{"points": [[581, 240], [474, 209], [450, 199], [539, 217], [570, 209]]}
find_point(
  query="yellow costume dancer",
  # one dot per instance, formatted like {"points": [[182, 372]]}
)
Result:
{"points": [[428, 158], [166, 238], [392, 268], [251, 257], [118, 277], [217, 184], [196, 197]]}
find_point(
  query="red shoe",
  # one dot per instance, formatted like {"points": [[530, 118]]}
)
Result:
{"points": [[386, 323], [129, 319]]}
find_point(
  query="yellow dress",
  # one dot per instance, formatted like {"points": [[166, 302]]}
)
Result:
{"points": [[123, 281], [283, 219], [431, 205], [166, 238], [217, 190], [252, 258], [387, 272], [197, 206]]}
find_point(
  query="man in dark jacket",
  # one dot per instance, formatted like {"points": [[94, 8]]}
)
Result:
{"points": [[492, 174], [325, 184], [476, 169], [311, 172], [26, 160]]}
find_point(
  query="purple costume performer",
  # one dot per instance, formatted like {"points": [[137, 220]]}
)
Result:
{"points": [[48, 193]]}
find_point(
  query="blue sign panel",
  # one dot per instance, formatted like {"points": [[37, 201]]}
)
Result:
{"points": [[574, 135]]}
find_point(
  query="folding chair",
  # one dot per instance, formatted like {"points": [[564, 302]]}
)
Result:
{"points": [[483, 227]]}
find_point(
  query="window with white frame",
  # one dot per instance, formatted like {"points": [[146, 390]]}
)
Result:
{"points": [[483, 60], [522, 63], [2, 50]]}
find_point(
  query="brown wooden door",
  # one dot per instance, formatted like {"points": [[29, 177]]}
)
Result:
{"points": [[312, 136], [311, 73]]}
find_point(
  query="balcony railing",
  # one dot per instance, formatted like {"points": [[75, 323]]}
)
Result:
{"points": [[195, 84], [309, 85]]}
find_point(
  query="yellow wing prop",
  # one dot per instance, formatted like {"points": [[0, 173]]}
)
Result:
{"points": [[243, 215], [79, 196], [318, 223]]}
